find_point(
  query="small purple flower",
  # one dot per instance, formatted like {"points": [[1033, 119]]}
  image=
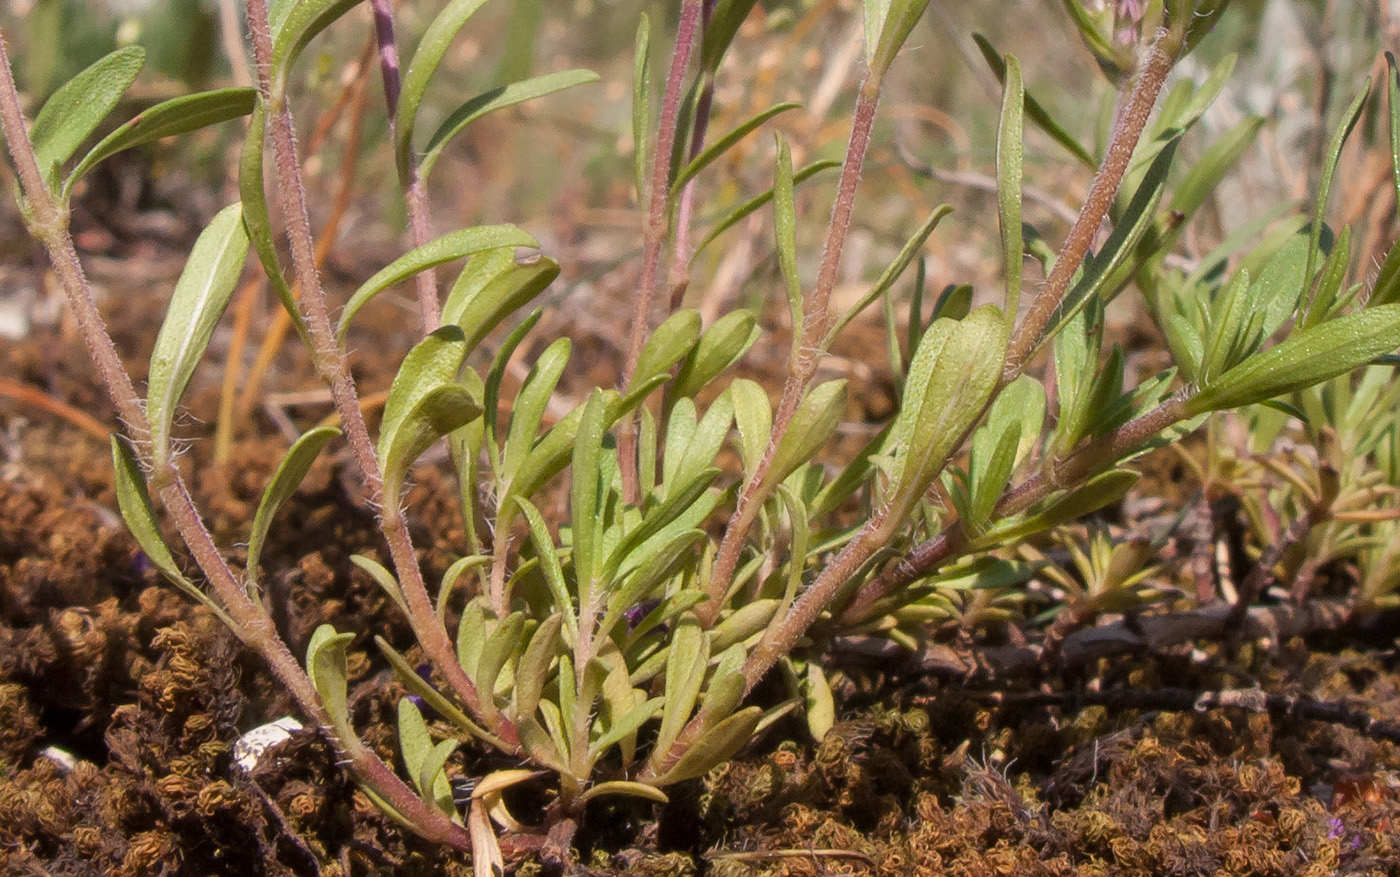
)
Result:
{"points": [[641, 610]]}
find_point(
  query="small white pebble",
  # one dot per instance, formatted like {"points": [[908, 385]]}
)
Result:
{"points": [[249, 749], [65, 760]]}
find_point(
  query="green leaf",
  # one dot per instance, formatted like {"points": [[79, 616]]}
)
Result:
{"points": [[1325, 302], [415, 743], [814, 422], [785, 232], [668, 344], [716, 746], [134, 503], [737, 214], [888, 24], [890, 276], [584, 496], [720, 347], [821, 706], [201, 294], [686, 660], [702, 448], [720, 30], [426, 57], [253, 195], [503, 295], [408, 677], [627, 723], [1098, 492], [438, 413], [950, 381], [502, 645], [533, 672], [450, 247], [1324, 190], [303, 20], [74, 111], [1010, 147], [285, 481], [497, 99], [553, 570], [1034, 109], [326, 665], [727, 142], [383, 578], [432, 782], [658, 519], [641, 103], [170, 118], [528, 410], [1307, 357], [753, 417], [1207, 171], [1137, 218], [431, 363]]}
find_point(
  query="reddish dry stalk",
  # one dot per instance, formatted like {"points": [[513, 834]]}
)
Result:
{"points": [[658, 197], [330, 361]]}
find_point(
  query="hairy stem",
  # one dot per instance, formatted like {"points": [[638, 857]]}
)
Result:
{"points": [[1129, 121], [657, 222], [803, 363], [252, 625], [331, 363], [416, 192]]}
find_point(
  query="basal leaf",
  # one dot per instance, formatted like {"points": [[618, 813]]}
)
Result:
{"points": [[716, 746], [505, 294], [668, 344], [383, 578], [624, 787], [821, 705], [528, 410], [431, 363], [812, 425], [439, 412], [326, 665]]}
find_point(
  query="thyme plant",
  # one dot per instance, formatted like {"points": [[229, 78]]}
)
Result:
{"points": [[618, 650]]}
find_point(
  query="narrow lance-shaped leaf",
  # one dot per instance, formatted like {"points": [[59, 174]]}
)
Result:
{"points": [[719, 348], [668, 344], [1034, 109], [588, 450], [201, 294], [497, 99], [895, 20], [814, 422], [326, 665], [432, 362], [716, 746], [641, 103], [1324, 189], [73, 112], [528, 411], [299, 25], [134, 503], [256, 219], [746, 209], [785, 232], [441, 411], [426, 57], [450, 247], [890, 276], [1010, 146], [1307, 357], [505, 294], [720, 30], [728, 141], [170, 118], [285, 482]]}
